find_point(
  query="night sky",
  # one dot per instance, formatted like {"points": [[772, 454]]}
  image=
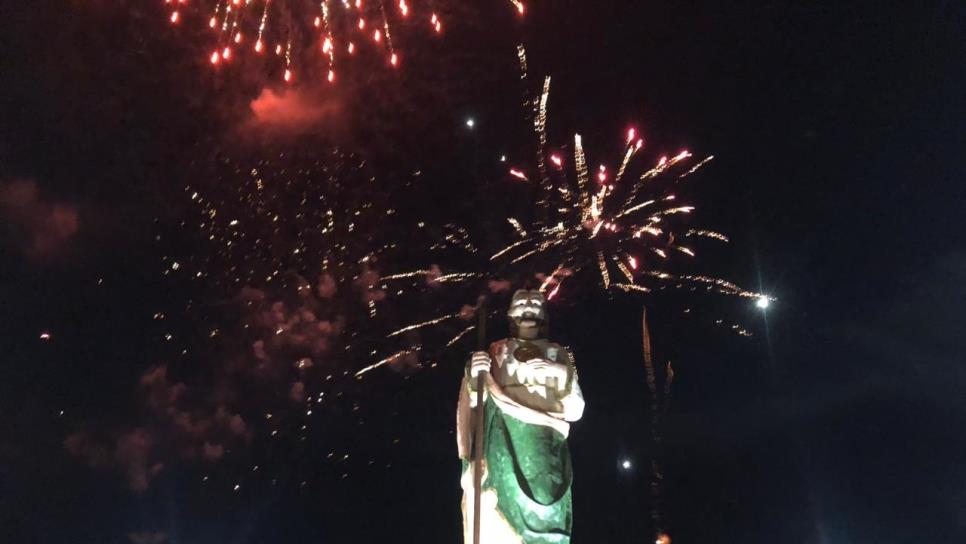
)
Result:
{"points": [[838, 132]]}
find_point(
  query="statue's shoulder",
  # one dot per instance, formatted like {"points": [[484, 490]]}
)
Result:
{"points": [[560, 354]]}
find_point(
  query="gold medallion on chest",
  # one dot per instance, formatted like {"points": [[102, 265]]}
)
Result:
{"points": [[527, 351]]}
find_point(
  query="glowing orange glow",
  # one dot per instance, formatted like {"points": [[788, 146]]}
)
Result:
{"points": [[259, 46], [174, 17], [403, 8], [377, 36], [326, 45], [238, 37], [351, 48], [288, 76], [226, 53], [394, 59], [278, 49], [215, 57], [331, 76], [317, 22], [212, 22], [362, 23]]}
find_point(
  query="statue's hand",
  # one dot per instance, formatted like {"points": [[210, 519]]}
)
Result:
{"points": [[539, 371], [480, 361]]}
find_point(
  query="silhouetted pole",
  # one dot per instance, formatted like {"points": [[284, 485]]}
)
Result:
{"points": [[478, 429]]}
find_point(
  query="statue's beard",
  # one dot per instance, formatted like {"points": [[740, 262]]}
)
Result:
{"points": [[528, 327]]}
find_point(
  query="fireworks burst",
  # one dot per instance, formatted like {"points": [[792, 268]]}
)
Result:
{"points": [[623, 223], [301, 33], [298, 37]]}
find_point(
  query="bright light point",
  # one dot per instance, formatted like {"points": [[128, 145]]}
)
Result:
{"points": [[259, 46], [174, 17], [394, 59], [45, 336], [763, 302], [626, 464], [377, 36], [352, 48], [215, 57], [331, 76], [502, 158], [630, 134], [556, 160], [288, 75], [226, 53], [470, 122], [639, 144]]}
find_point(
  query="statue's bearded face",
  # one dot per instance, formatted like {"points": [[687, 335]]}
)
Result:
{"points": [[528, 308]]}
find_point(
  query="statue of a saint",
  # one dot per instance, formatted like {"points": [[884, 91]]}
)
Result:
{"points": [[530, 397]]}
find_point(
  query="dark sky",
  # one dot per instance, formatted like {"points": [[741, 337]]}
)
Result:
{"points": [[838, 134]]}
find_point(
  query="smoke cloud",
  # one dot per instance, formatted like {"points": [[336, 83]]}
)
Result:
{"points": [[41, 227]]}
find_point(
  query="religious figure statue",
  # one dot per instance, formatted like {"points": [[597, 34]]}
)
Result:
{"points": [[530, 397]]}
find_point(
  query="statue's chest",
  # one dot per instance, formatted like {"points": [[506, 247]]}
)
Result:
{"points": [[517, 352], [517, 375]]}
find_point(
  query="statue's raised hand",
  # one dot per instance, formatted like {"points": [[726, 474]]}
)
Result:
{"points": [[480, 361]]}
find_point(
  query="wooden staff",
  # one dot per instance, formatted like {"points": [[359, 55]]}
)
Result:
{"points": [[478, 429]]}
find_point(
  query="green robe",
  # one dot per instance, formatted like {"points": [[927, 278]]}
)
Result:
{"points": [[529, 468]]}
